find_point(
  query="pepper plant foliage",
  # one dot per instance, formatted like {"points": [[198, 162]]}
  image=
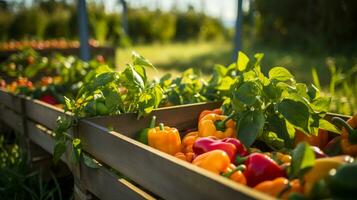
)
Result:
{"points": [[269, 108], [107, 92]]}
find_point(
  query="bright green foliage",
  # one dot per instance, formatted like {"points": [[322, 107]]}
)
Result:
{"points": [[106, 92], [268, 108], [184, 89]]}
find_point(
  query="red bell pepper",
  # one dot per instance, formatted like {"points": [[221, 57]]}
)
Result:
{"points": [[241, 150], [260, 167], [231, 146]]}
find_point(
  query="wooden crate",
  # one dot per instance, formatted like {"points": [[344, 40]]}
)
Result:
{"points": [[163, 174], [157, 172], [39, 120]]}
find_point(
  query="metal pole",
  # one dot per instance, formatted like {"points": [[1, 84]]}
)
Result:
{"points": [[125, 17], [238, 35], [83, 30]]}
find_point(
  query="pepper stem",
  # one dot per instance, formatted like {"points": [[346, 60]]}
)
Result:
{"points": [[240, 160], [221, 125], [152, 122], [238, 168], [161, 125], [352, 134]]}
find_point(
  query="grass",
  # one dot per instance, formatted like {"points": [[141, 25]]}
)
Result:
{"points": [[176, 57]]}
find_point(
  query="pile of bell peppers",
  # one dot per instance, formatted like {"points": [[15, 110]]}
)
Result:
{"points": [[214, 146]]}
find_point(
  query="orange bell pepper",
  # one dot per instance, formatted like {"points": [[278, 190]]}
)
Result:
{"points": [[219, 126], [188, 141], [216, 161], [165, 139], [280, 187], [185, 156], [217, 111], [278, 157], [235, 174], [320, 140]]}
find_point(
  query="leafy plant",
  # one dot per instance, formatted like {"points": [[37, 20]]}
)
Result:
{"points": [[184, 89], [106, 92], [269, 108]]}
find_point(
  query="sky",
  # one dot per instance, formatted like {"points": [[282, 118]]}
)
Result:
{"points": [[224, 9]]}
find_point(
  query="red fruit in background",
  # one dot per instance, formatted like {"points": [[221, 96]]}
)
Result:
{"points": [[30, 60], [2, 83], [100, 59], [49, 99]]}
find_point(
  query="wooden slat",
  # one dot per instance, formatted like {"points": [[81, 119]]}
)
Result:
{"points": [[158, 172], [11, 118], [11, 101], [101, 182], [42, 137], [181, 117], [42, 113], [106, 185]]}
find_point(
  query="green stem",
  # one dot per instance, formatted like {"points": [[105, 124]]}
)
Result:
{"points": [[352, 134], [162, 127], [240, 160], [221, 125], [238, 168], [152, 122]]}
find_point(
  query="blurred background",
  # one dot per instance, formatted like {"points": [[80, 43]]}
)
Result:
{"points": [[177, 34], [315, 39]]}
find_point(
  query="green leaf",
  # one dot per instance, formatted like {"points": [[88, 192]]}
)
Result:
{"points": [[303, 158], [59, 150], [312, 91], [112, 98], [258, 57], [295, 112], [325, 125], [90, 162], [220, 70], [282, 129], [137, 59], [280, 74], [321, 104], [242, 61], [70, 104], [77, 149], [272, 92], [225, 84], [247, 93], [250, 125], [272, 140], [315, 78]]}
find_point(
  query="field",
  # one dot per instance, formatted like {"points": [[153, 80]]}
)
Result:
{"points": [[175, 57]]}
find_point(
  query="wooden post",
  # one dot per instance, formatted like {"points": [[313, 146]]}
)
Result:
{"points": [[83, 30], [125, 17], [238, 35]]}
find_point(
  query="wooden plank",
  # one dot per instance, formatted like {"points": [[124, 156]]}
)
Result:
{"points": [[181, 117], [101, 182], [160, 173], [11, 101], [11, 118], [42, 113], [40, 136], [106, 185]]}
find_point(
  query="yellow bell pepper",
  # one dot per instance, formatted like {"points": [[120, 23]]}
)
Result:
{"points": [[321, 169], [219, 126], [165, 139]]}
